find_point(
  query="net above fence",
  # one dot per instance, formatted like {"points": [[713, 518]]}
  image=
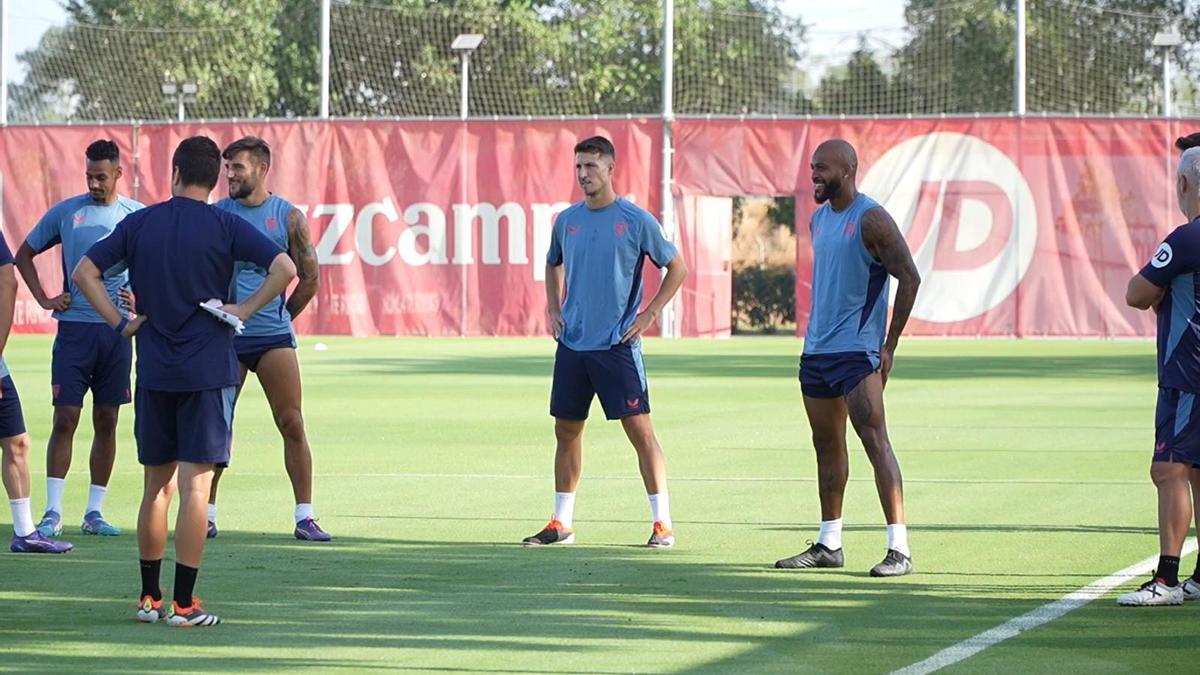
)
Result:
{"points": [[260, 58]]}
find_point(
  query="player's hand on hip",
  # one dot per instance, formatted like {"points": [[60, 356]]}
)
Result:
{"points": [[134, 325], [58, 303], [640, 324], [126, 299], [886, 356], [236, 310], [556, 322]]}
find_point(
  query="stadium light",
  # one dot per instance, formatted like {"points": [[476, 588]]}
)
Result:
{"points": [[180, 93], [465, 44], [1166, 40]]}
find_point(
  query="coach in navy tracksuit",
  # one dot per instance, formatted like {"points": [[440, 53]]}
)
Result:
{"points": [[181, 253]]}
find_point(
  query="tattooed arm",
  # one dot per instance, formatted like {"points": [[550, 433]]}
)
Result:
{"points": [[302, 253], [884, 241]]}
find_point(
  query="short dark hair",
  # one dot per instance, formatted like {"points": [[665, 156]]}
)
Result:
{"points": [[198, 160], [1189, 141], [598, 145], [254, 145], [103, 149]]}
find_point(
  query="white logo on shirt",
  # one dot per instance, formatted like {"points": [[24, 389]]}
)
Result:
{"points": [[1162, 257]]}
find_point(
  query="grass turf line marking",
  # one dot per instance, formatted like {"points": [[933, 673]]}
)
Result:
{"points": [[1037, 617]]}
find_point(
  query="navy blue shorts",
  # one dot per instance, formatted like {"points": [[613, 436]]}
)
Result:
{"points": [[250, 348], [90, 356], [12, 422], [616, 375], [1177, 427], [184, 426], [835, 375]]}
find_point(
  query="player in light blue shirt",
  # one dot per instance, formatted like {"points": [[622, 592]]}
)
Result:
{"points": [[87, 355], [599, 247], [848, 354], [267, 347]]}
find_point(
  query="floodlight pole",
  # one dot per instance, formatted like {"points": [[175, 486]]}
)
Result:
{"points": [[464, 86], [324, 111], [669, 322], [1167, 82], [180, 112], [1019, 74], [4, 47]]}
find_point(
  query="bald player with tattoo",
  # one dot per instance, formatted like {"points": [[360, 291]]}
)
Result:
{"points": [[847, 355]]}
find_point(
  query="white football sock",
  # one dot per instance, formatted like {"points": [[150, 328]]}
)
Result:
{"points": [[54, 494], [660, 509], [22, 517], [830, 535], [212, 513], [564, 508], [304, 511], [96, 499], [898, 539]]}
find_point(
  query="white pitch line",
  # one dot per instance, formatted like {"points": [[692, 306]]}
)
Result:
{"points": [[695, 479], [1032, 619]]}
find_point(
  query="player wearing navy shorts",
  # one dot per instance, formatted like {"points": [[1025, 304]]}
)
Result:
{"points": [[87, 354], [267, 346], [598, 248], [14, 441], [847, 357], [1170, 284], [181, 253]]}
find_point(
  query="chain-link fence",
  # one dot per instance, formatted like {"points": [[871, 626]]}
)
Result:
{"points": [[261, 58]]}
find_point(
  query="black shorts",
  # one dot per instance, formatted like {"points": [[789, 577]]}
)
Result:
{"points": [[835, 375], [616, 375]]}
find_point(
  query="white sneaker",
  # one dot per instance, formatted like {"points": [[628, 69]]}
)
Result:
{"points": [[1191, 590], [1153, 592]]}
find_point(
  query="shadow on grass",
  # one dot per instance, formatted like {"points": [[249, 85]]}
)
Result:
{"points": [[776, 366], [367, 603]]}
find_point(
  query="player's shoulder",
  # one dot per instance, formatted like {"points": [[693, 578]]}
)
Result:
{"points": [[225, 204], [634, 212], [71, 204], [569, 212], [281, 204], [130, 204]]}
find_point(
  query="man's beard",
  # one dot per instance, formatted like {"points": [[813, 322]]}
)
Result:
{"points": [[832, 188]]}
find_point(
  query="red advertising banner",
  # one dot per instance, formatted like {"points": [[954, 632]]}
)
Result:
{"points": [[421, 228], [1019, 227]]}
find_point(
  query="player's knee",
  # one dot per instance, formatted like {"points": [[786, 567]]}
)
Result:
{"points": [[876, 444], [1165, 473], [17, 449], [291, 424], [105, 422], [567, 431], [65, 420]]}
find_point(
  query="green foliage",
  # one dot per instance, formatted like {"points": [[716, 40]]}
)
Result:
{"points": [[764, 297]]}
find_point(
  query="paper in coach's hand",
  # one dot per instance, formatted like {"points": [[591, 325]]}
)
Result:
{"points": [[214, 307]]}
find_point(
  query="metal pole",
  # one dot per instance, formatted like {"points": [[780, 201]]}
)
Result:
{"points": [[1019, 75], [179, 98], [463, 87], [670, 316], [4, 47], [325, 59], [1167, 82]]}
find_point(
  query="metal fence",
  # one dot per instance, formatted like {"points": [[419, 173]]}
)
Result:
{"points": [[149, 60]]}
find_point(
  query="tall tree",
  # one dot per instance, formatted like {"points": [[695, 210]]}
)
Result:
{"points": [[1092, 56]]}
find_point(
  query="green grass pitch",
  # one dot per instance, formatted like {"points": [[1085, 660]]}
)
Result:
{"points": [[1026, 478]]}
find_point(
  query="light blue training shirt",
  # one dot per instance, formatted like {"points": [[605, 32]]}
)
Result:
{"points": [[269, 218], [849, 286], [603, 251], [77, 223]]}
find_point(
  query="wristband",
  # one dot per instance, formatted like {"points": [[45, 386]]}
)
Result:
{"points": [[120, 327]]}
